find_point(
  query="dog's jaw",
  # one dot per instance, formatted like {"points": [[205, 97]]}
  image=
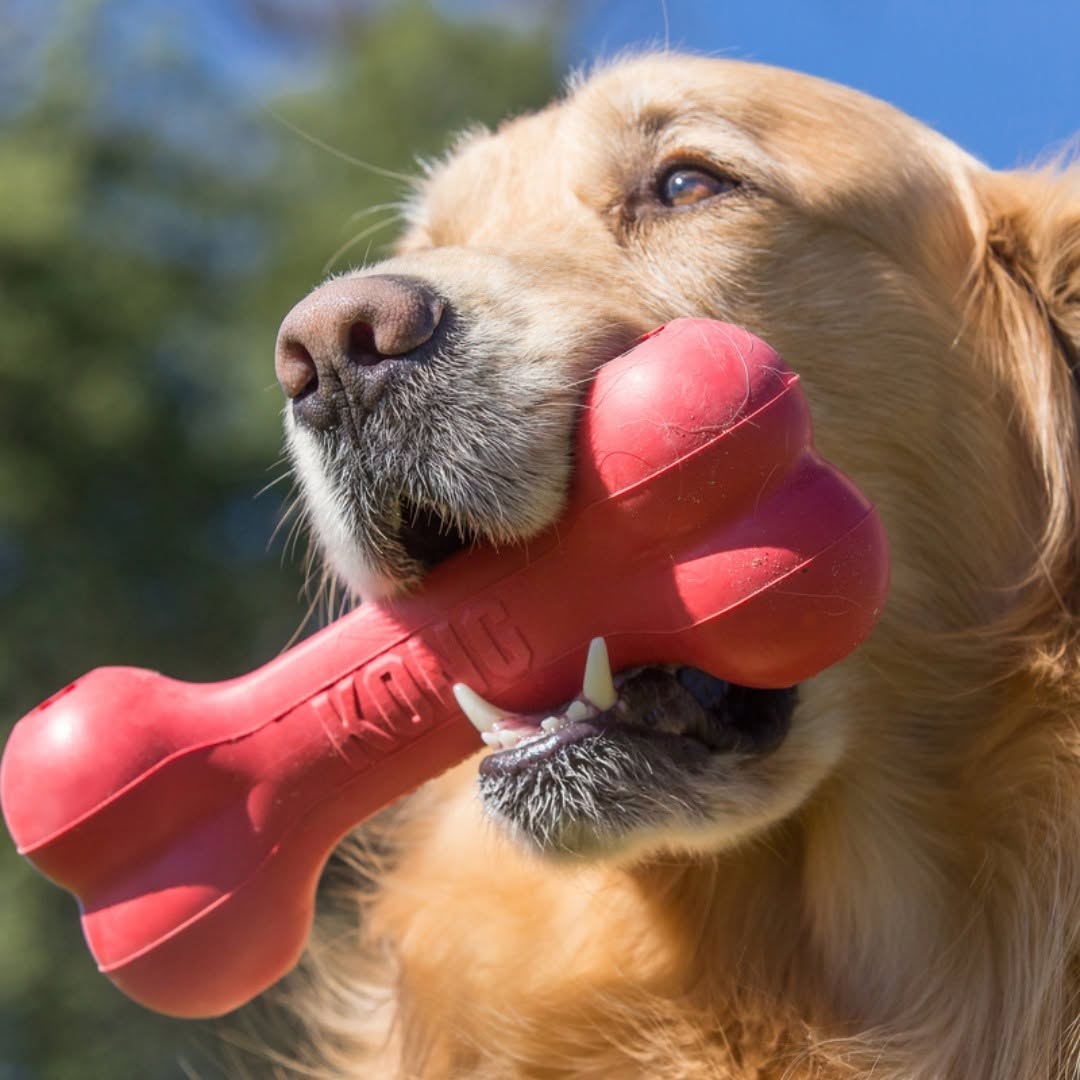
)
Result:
{"points": [[603, 781]]}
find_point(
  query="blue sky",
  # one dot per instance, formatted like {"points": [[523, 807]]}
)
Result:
{"points": [[1002, 79]]}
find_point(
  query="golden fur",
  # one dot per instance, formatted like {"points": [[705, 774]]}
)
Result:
{"points": [[903, 899]]}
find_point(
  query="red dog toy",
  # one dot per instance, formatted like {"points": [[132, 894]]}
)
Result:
{"points": [[192, 821]]}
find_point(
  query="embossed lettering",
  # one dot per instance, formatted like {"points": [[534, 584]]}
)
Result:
{"points": [[380, 706], [339, 723], [439, 654], [343, 719], [497, 644], [396, 694]]}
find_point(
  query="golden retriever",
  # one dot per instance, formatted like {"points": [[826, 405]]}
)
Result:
{"points": [[876, 873]]}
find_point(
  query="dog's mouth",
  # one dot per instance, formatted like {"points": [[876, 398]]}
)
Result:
{"points": [[640, 749], [428, 535], [684, 709]]}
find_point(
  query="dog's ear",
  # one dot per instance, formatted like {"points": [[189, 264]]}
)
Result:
{"points": [[1033, 238], [1025, 318]]}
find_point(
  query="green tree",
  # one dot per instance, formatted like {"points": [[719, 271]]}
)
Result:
{"points": [[154, 228]]}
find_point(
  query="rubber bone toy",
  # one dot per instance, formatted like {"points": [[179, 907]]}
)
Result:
{"points": [[192, 821]]}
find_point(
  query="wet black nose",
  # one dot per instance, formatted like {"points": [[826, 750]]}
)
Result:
{"points": [[340, 343]]}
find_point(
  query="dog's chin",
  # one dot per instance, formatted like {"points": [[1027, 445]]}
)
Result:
{"points": [[670, 766]]}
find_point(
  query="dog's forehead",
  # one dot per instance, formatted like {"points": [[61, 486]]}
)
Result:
{"points": [[648, 92], [797, 120]]}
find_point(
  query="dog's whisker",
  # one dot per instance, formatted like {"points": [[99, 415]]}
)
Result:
{"points": [[363, 235], [367, 166], [285, 476], [295, 509], [297, 530], [397, 206]]}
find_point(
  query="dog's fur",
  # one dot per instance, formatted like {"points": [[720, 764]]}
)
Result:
{"points": [[896, 892]]}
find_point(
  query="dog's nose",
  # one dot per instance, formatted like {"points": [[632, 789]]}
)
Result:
{"points": [[339, 343]]}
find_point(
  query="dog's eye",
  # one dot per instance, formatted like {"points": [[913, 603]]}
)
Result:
{"points": [[685, 186]]}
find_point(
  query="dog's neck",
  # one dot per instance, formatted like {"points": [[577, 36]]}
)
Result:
{"points": [[856, 918]]}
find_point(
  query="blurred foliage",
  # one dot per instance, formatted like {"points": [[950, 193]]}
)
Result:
{"points": [[155, 224]]}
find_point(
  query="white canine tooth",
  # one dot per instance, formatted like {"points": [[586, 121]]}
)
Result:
{"points": [[482, 714], [508, 739], [490, 738], [578, 710], [552, 723], [597, 685]]}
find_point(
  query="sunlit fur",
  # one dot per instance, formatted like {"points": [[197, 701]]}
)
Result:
{"points": [[902, 901]]}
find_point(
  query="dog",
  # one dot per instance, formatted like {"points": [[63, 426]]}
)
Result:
{"points": [[880, 876]]}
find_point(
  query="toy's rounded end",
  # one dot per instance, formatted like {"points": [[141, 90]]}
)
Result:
{"points": [[248, 945], [693, 421], [78, 748]]}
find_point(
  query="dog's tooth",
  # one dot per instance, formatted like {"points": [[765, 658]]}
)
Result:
{"points": [[490, 738], [597, 685], [482, 714], [578, 710], [509, 739], [552, 723]]}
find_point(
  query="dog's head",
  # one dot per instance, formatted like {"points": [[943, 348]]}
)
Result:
{"points": [[931, 315]]}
